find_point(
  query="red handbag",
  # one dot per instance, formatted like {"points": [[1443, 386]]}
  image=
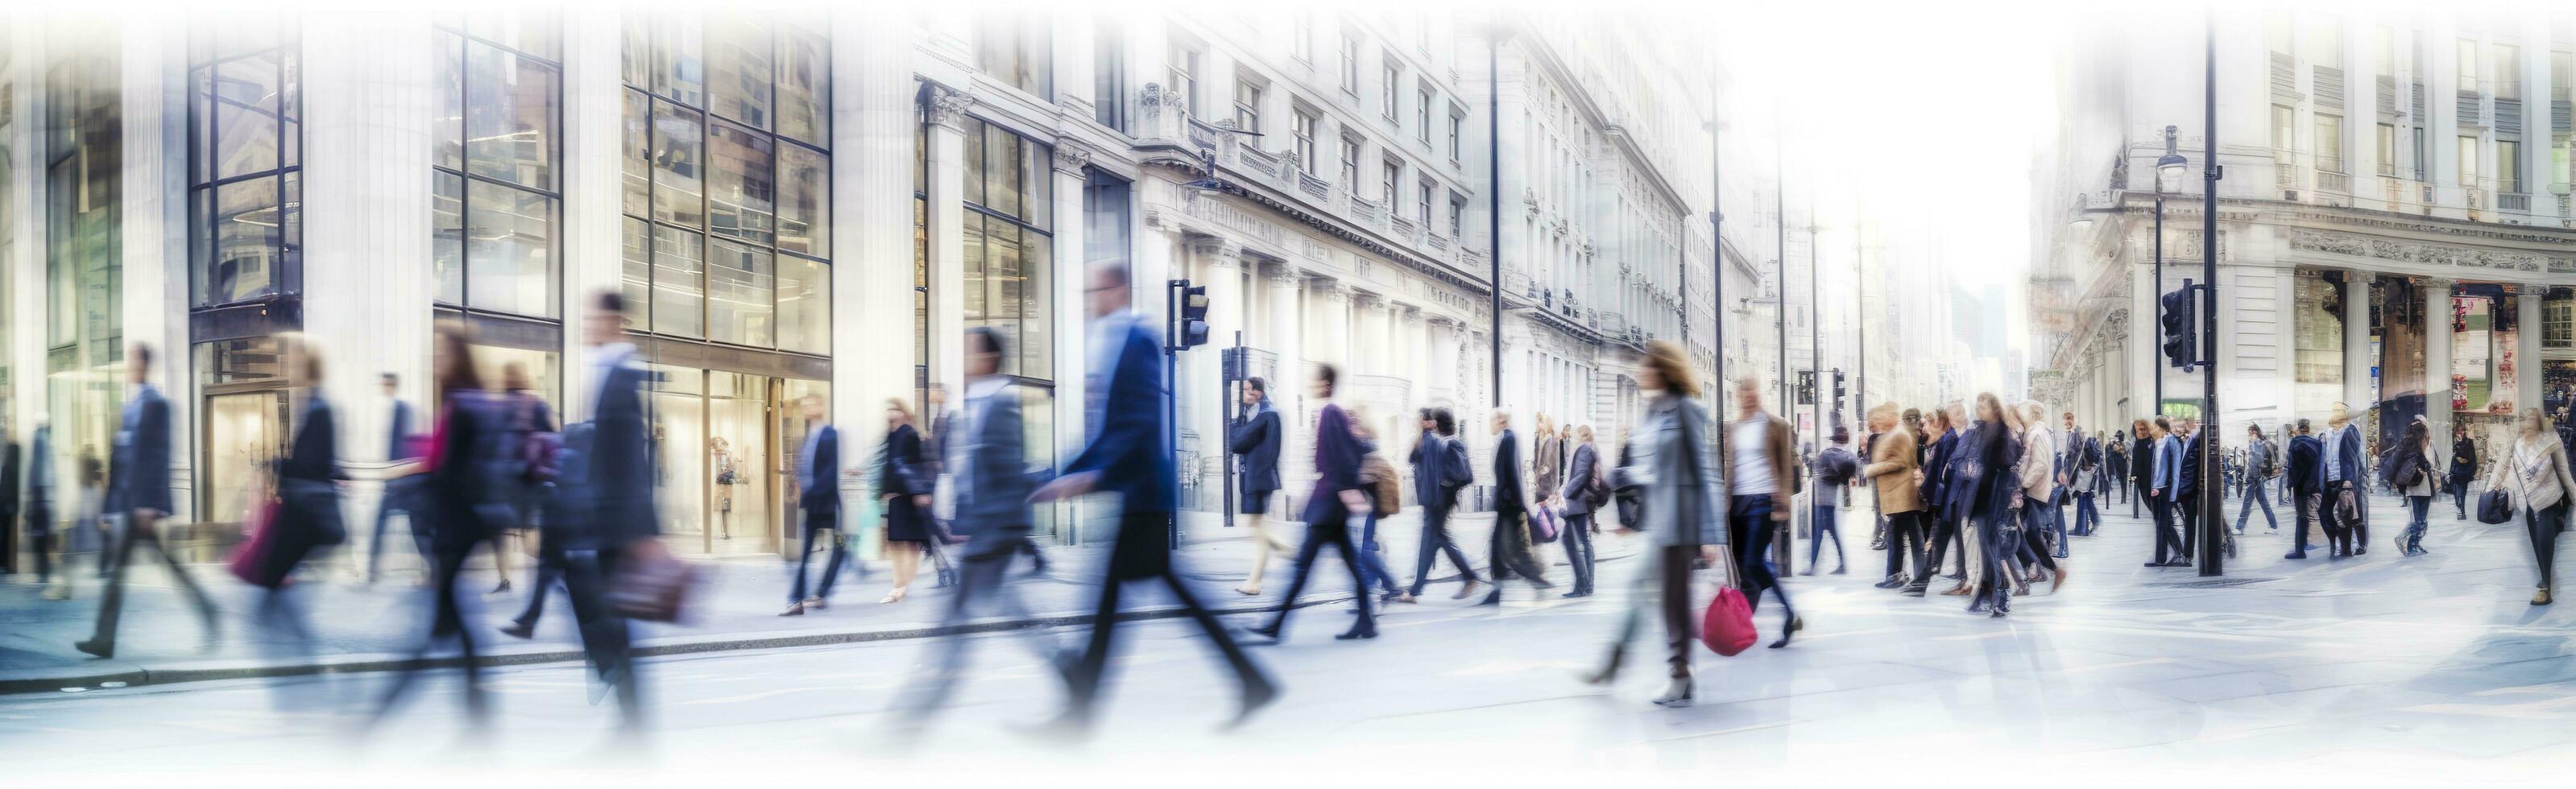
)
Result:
{"points": [[250, 561], [1727, 628]]}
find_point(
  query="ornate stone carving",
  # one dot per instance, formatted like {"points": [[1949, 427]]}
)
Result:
{"points": [[1328, 289], [948, 107], [1219, 252], [2434, 254], [1071, 156], [1283, 274]]}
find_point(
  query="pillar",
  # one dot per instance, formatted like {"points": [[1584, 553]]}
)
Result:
{"points": [[1070, 275], [948, 113], [25, 264], [874, 113], [2356, 341], [1282, 336], [2526, 353], [1332, 323], [2146, 361], [594, 227], [155, 244], [1203, 400], [2437, 357]]}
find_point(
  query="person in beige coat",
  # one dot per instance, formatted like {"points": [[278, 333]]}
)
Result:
{"points": [[1892, 463], [2534, 472], [2038, 473], [1760, 472]]}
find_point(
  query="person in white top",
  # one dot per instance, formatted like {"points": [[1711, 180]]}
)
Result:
{"points": [[2534, 472]]}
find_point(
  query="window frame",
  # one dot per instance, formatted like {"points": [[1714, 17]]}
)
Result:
{"points": [[465, 42], [205, 182]]}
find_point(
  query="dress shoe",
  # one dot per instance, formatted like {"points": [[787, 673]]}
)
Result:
{"points": [[1465, 591], [1978, 607], [2295, 555], [1912, 591], [1891, 583], [1795, 624], [107, 649], [519, 630], [793, 609], [2358, 549], [1676, 694], [1838, 570], [1356, 633]]}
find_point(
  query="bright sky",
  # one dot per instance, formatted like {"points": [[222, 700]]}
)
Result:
{"points": [[1925, 115]]}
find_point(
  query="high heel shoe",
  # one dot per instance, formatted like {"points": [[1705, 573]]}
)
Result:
{"points": [[895, 596], [1795, 624], [1677, 694]]}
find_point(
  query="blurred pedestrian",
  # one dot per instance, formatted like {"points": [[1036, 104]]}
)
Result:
{"points": [[1440, 470], [1257, 436], [1994, 450], [1892, 466], [308, 493], [398, 489], [1376, 475], [139, 480], [1940, 516], [2306, 474], [991, 481], [1335, 499], [1508, 546], [818, 492], [38, 511], [1832, 471], [1680, 512], [530, 437], [1577, 497], [2260, 456], [612, 525], [904, 488], [2343, 506], [2464, 468], [1761, 468], [2535, 472], [1130, 454], [2041, 462], [2411, 473], [464, 498]]}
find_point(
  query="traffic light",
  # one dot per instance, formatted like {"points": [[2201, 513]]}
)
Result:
{"points": [[1806, 387], [2181, 335], [1190, 328], [1839, 394]]}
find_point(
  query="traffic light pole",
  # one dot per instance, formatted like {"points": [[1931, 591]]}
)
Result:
{"points": [[2157, 407], [2213, 519], [1172, 392]]}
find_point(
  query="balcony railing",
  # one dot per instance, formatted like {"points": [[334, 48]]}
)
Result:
{"points": [[1260, 161], [2513, 202], [1314, 187], [2330, 181]]}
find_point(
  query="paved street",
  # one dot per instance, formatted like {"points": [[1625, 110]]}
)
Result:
{"points": [[2376, 665]]}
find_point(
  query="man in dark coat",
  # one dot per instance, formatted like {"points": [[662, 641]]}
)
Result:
{"points": [[2306, 474], [1130, 454], [1508, 547], [1256, 436], [2195, 454], [617, 526], [1439, 470], [139, 487], [397, 496], [818, 493]]}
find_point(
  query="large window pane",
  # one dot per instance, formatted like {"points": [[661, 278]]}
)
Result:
{"points": [[679, 265], [677, 71], [635, 273], [804, 79], [971, 234], [447, 237], [804, 305], [637, 175], [738, 293], [447, 130], [804, 200], [1002, 152], [246, 130], [510, 117], [678, 166], [738, 73], [243, 263], [740, 195], [536, 29], [1037, 305], [509, 250]]}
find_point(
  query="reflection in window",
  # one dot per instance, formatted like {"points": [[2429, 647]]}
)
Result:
{"points": [[804, 108], [635, 272], [804, 208], [679, 266], [1012, 45], [804, 305], [739, 285], [1008, 253], [243, 129], [678, 153], [496, 188], [739, 194], [738, 69]]}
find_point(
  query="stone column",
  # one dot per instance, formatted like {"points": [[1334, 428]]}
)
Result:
{"points": [[1203, 401], [1069, 277], [1332, 323], [948, 114], [2356, 341], [1283, 336], [369, 99], [2437, 358], [2526, 354], [2146, 357], [23, 259], [874, 113], [594, 227], [155, 242]]}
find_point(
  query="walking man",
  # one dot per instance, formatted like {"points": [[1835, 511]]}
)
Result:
{"points": [[1439, 470], [2259, 457], [139, 486], [1508, 548], [818, 492], [1131, 455], [1256, 436], [397, 495]]}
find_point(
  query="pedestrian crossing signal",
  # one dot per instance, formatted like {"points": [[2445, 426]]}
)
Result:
{"points": [[2181, 336]]}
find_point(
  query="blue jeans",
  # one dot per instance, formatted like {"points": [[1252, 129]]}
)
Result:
{"points": [[1825, 527], [1749, 525], [2087, 517], [2254, 495], [2417, 507], [1372, 560]]}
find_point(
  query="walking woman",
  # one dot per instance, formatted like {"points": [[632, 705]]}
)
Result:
{"points": [[1938, 527], [1992, 453], [2411, 470], [309, 500], [461, 492], [1335, 500], [1374, 469], [2039, 457], [2534, 470], [1576, 497], [1679, 507], [906, 493], [2464, 467]]}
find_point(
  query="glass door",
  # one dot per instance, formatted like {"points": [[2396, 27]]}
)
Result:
{"points": [[739, 495], [679, 444]]}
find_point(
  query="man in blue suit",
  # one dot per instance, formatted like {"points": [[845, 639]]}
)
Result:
{"points": [[2164, 484], [1440, 469], [139, 486], [397, 496], [2195, 456], [2342, 473], [818, 493], [1130, 455]]}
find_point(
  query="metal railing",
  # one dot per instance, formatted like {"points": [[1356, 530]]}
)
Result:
{"points": [[2331, 181], [2513, 202]]}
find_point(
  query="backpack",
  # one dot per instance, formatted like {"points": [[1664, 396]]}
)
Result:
{"points": [[1596, 491], [2404, 471]]}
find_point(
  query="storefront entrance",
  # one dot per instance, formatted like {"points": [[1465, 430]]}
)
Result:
{"points": [[727, 445]]}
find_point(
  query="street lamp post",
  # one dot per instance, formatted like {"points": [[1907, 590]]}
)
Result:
{"points": [[1494, 198], [2169, 172], [2213, 526]]}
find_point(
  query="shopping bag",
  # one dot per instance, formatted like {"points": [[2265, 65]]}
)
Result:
{"points": [[1727, 627], [250, 561]]}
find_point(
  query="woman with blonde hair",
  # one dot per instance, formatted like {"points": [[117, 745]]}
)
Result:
{"points": [[904, 487], [2038, 470], [1680, 508], [2534, 472]]}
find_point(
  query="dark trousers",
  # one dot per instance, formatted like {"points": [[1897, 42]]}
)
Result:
{"points": [[1825, 527], [2460, 497], [2544, 526], [2187, 511], [1994, 589], [550, 570], [2140, 493], [1577, 538], [2340, 535], [1748, 523], [1084, 679], [1905, 540], [2168, 541], [446, 564], [1670, 585], [397, 498], [40, 539], [143, 530], [2087, 516], [1436, 542], [2037, 519], [2254, 495], [1942, 534], [2303, 506], [1334, 530], [1505, 549], [818, 526], [982, 569]]}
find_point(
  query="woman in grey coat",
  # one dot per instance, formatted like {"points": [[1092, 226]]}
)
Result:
{"points": [[1672, 460]]}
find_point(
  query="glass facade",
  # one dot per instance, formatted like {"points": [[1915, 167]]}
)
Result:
{"points": [[727, 181], [83, 156], [497, 184], [245, 159]]}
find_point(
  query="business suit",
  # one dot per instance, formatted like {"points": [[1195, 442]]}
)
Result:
{"points": [[2342, 473], [1131, 456], [1436, 459], [398, 491], [1508, 547], [35, 509], [2187, 500], [2306, 476], [818, 492], [2162, 485], [1337, 470], [990, 482], [609, 470], [1257, 438], [139, 486], [1577, 534], [463, 503]]}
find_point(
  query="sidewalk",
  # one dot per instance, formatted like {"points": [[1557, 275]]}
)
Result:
{"points": [[370, 628]]}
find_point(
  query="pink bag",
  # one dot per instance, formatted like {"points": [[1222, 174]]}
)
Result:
{"points": [[1728, 628], [1543, 524]]}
